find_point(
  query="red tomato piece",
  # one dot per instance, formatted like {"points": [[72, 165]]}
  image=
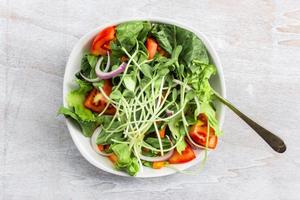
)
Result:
{"points": [[151, 46], [186, 155], [96, 101], [101, 42], [198, 133]]}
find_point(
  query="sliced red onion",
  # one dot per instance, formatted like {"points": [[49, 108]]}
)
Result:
{"points": [[111, 74], [194, 144], [108, 62], [94, 144], [92, 80], [157, 159]]}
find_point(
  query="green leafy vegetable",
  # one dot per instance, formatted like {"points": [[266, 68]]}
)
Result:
{"points": [[125, 160], [165, 35], [86, 127], [128, 33], [155, 143], [130, 82], [88, 63], [76, 98]]}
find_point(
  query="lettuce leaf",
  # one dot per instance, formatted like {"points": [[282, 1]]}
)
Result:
{"points": [[87, 128], [76, 99], [124, 159], [199, 80]]}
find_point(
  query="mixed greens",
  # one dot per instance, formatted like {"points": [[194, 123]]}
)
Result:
{"points": [[144, 96]]}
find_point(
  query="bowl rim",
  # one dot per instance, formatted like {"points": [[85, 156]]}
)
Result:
{"points": [[86, 37]]}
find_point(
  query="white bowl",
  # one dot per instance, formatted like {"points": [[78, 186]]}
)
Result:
{"points": [[83, 143]]}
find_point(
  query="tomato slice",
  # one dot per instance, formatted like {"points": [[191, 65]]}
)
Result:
{"points": [[151, 46], [96, 102], [198, 133], [101, 42], [186, 155]]}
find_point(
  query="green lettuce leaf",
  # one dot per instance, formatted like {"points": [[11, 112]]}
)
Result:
{"points": [[87, 128], [124, 160], [76, 99]]}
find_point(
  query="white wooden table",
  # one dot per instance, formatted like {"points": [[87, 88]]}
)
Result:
{"points": [[259, 45]]}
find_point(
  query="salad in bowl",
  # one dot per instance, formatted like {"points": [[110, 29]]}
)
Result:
{"points": [[143, 98]]}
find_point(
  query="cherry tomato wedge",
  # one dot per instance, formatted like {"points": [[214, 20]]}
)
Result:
{"points": [[151, 46], [101, 42], [198, 133], [95, 101], [186, 155]]}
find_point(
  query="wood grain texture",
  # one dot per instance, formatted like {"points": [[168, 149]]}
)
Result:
{"points": [[258, 43]]}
